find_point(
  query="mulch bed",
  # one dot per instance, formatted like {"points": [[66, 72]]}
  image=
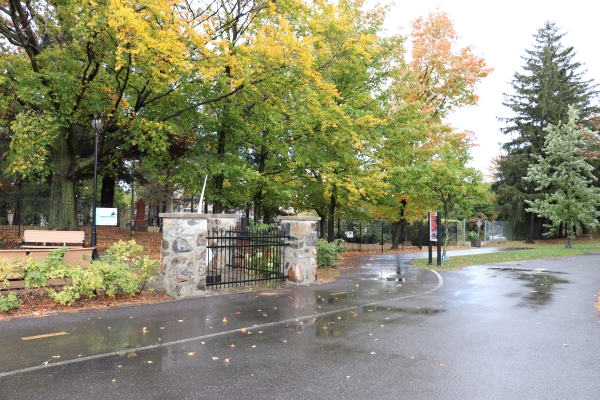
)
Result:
{"points": [[36, 303]]}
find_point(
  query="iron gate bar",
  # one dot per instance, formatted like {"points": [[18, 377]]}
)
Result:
{"points": [[243, 257]]}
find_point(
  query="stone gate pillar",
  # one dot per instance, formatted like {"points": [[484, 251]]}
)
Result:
{"points": [[301, 255], [184, 254], [184, 250]]}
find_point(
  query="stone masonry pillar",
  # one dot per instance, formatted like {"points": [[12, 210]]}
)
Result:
{"points": [[184, 254], [301, 254], [184, 250]]}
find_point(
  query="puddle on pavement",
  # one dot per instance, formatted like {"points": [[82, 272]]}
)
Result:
{"points": [[541, 285], [332, 297], [388, 279], [339, 324]]}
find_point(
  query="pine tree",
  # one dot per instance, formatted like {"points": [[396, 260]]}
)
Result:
{"points": [[551, 81], [564, 169]]}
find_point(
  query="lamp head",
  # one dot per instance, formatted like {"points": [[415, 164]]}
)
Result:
{"points": [[97, 123]]}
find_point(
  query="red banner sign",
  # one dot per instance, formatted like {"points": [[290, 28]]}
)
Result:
{"points": [[433, 226]]}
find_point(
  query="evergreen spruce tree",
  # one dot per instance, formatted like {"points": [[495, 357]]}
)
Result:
{"points": [[551, 81], [564, 169]]}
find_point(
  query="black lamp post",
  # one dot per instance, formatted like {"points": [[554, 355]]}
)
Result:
{"points": [[97, 124]]}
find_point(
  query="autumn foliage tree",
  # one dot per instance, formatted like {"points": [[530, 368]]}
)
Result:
{"points": [[440, 77]]}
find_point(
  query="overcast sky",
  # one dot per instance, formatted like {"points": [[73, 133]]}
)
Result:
{"points": [[501, 31]]}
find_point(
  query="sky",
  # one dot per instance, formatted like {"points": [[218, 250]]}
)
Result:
{"points": [[501, 32]]}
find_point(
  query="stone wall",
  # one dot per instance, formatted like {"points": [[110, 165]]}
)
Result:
{"points": [[301, 254]]}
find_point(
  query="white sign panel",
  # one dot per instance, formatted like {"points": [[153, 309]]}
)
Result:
{"points": [[106, 216], [349, 234]]}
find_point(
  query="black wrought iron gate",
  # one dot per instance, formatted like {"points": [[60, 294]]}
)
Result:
{"points": [[245, 257]]}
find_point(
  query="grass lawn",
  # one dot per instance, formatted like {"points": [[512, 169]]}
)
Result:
{"points": [[521, 251]]}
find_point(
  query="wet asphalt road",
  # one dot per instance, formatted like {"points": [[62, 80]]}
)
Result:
{"points": [[526, 330]]}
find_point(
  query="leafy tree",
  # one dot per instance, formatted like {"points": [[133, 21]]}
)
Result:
{"points": [[566, 172], [439, 78], [146, 67], [551, 81], [446, 181]]}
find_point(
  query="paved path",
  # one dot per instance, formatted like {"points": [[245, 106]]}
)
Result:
{"points": [[382, 331]]}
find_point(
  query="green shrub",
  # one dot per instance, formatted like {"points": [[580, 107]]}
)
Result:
{"points": [[472, 235], [327, 253], [124, 269], [9, 302], [38, 272]]}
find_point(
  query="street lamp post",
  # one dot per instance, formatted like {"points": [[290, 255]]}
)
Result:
{"points": [[97, 124]]}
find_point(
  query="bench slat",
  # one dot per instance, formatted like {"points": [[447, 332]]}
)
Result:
{"points": [[64, 237]]}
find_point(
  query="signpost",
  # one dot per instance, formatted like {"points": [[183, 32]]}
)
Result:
{"points": [[434, 235]]}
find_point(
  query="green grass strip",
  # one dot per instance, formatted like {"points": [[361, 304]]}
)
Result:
{"points": [[537, 251]]}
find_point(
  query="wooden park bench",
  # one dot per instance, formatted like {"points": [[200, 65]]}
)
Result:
{"points": [[31, 236]]}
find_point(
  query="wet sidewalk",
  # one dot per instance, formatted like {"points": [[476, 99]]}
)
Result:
{"points": [[383, 330]]}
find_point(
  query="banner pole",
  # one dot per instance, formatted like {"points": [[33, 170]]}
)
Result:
{"points": [[429, 237], [440, 235]]}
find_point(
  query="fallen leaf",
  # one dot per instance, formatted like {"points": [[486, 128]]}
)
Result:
{"points": [[265, 315], [226, 360], [442, 365], [237, 313], [202, 342], [232, 345], [179, 320], [114, 380], [243, 330], [348, 376], [119, 366], [55, 356], [284, 341], [191, 353], [224, 320], [150, 362], [215, 358], [565, 344], [373, 353], [162, 327], [45, 363], [253, 346], [260, 331], [144, 330]]}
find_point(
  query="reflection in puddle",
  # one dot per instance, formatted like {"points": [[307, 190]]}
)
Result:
{"points": [[415, 311], [339, 324], [332, 297], [541, 285]]}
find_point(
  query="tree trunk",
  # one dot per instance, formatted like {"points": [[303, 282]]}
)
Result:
{"points": [[258, 197], [107, 193], [321, 224], [530, 229], [331, 221], [220, 178], [396, 234], [62, 188]]}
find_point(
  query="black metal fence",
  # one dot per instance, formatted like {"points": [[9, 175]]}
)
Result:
{"points": [[245, 257], [373, 232], [18, 214]]}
